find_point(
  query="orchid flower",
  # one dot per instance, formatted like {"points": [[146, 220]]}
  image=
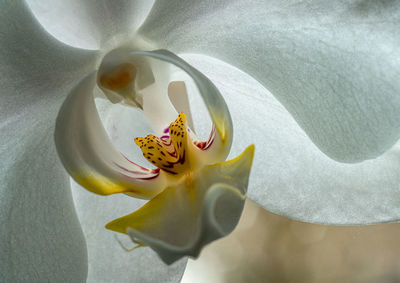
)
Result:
{"points": [[326, 130], [193, 201]]}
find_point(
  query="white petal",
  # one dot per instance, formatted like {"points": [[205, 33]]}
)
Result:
{"points": [[290, 176], [41, 239], [90, 24], [333, 65], [122, 124]]}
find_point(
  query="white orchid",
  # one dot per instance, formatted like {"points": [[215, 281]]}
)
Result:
{"points": [[195, 196], [333, 67]]}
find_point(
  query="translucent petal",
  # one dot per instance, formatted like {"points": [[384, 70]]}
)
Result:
{"points": [[88, 154], [182, 219], [178, 96], [41, 239], [333, 65], [117, 121], [290, 175], [90, 24]]}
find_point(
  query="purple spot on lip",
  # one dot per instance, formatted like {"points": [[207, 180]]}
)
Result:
{"points": [[166, 130], [164, 137]]}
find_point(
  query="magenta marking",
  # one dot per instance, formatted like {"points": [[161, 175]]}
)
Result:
{"points": [[211, 138], [147, 170], [132, 171], [205, 145], [141, 167], [142, 179]]}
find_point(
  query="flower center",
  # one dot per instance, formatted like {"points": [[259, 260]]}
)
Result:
{"points": [[169, 153]]}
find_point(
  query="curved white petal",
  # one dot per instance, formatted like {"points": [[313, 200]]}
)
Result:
{"points": [[122, 124], [290, 175], [88, 154], [41, 239], [90, 24], [333, 65]]}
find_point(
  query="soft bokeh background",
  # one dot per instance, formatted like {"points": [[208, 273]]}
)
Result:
{"points": [[266, 247]]}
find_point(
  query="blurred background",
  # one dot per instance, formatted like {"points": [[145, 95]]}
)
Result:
{"points": [[266, 247]]}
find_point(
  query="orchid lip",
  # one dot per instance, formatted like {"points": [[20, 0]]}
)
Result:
{"points": [[171, 154]]}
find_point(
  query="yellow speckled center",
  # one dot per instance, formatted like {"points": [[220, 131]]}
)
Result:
{"points": [[169, 154]]}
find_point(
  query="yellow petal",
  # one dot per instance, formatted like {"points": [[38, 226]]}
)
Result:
{"points": [[203, 207]]}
